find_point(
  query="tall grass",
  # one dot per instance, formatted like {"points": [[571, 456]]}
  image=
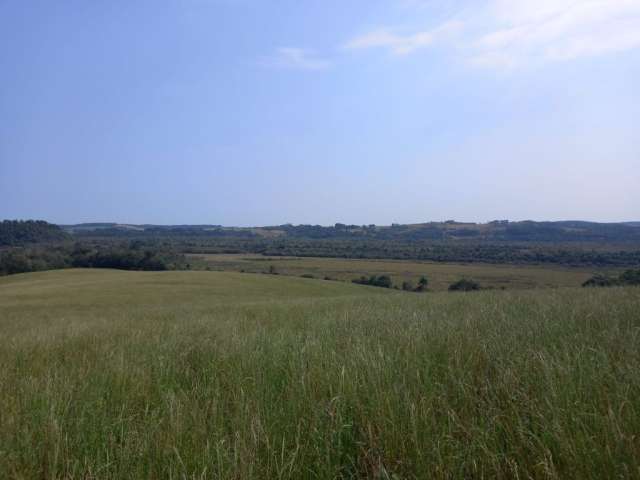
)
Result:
{"points": [[352, 384]]}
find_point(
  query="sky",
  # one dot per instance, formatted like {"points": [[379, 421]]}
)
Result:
{"points": [[263, 112]]}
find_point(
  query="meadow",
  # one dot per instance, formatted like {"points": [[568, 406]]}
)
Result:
{"points": [[440, 275], [110, 374]]}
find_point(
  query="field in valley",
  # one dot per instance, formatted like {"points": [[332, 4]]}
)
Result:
{"points": [[440, 275], [110, 374]]}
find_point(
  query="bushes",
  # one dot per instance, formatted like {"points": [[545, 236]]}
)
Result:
{"points": [[600, 281], [125, 259], [407, 286], [630, 277], [423, 283], [464, 285], [627, 278], [383, 281]]}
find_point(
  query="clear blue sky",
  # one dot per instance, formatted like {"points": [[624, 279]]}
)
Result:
{"points": [[256, 112]]}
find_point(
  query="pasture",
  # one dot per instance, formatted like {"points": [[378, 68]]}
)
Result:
{"points": [[220, 375], [440, 275]]}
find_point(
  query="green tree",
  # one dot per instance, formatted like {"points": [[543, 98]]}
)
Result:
{"points": [[630, 277], [423, 283]]}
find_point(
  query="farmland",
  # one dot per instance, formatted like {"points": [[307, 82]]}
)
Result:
{"points": [[111, 374]]}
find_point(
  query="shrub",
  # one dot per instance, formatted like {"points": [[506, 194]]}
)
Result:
{"points": [[630, 277], [382, 281], [464, 285], [600, 281], [423, 283]]}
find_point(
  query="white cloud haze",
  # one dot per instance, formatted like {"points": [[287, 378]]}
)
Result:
{"points": [[527, 31], [403, 44], [515, 33]]}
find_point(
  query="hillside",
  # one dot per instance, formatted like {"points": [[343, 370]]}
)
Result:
{"points": [[117, 375], [98, 288]]}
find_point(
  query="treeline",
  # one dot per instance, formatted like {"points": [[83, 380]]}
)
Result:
{"points": [[384, 281], [449, 231], [131, 256], [114, 231], [627, 278], [18, 232], [499, 242], [526, 254], [496, 231]]}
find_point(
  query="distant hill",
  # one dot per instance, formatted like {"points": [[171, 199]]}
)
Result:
{"points": [[449, 231], [19, 233]]}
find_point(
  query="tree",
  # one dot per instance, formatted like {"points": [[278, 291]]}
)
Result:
{"points": [[423, 283], [20, 233], [14, 261]]}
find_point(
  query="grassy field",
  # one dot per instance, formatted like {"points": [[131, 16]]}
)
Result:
{"points": [[440, 275], [120, 375]]}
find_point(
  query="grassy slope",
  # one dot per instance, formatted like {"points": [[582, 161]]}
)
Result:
{"points": [[219, 375], [110, 288]]}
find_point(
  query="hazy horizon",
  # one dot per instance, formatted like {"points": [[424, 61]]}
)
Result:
{"points": [[463, 221], [239, 113]]}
